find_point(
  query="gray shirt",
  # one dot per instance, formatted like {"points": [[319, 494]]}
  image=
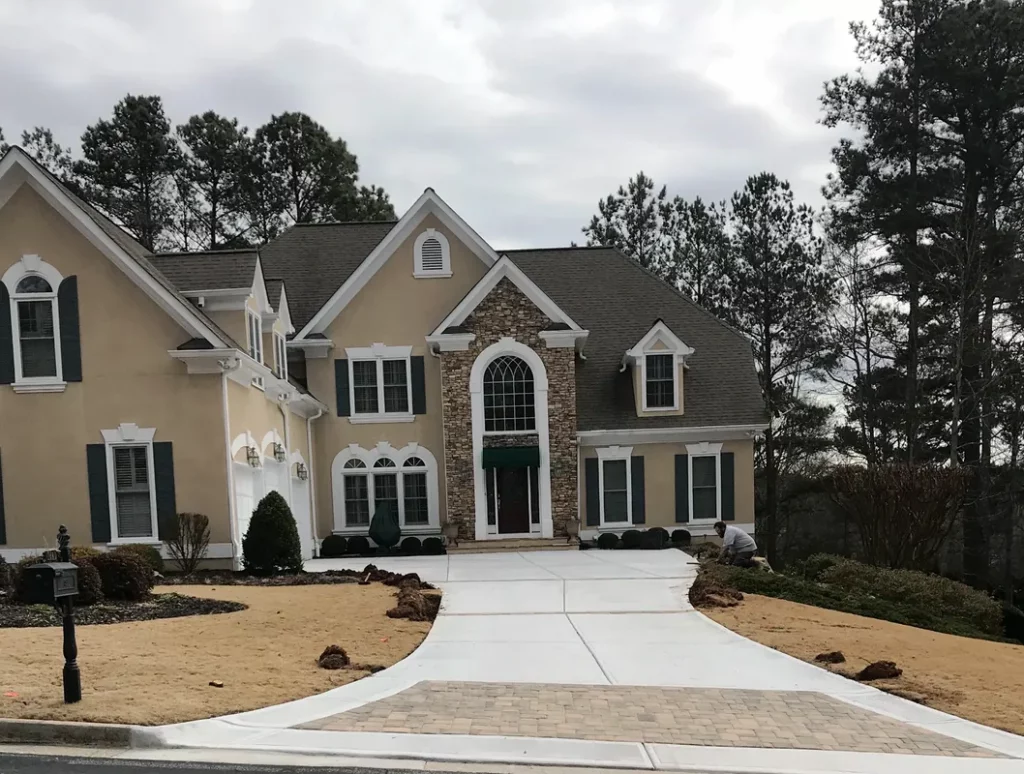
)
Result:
{"points": [[737, 541]]}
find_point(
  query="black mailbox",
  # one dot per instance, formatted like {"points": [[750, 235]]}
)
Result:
{"points": [[47, 583]]}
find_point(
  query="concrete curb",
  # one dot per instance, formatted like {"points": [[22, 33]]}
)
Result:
{"points": [[52, 732]]}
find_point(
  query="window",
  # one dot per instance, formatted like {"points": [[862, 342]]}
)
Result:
{"points": [[660, 382], [379, 378], [705, 474], [432, 255], [132, 498], [615, 485], [405, 481], [37, 332], [509, 396], [255, 333], [280, 357]]}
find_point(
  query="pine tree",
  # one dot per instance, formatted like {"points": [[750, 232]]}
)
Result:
{"points": [[700, 260]]}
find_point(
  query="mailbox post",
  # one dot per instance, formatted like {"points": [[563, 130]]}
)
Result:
{"points": [[56, 583]]}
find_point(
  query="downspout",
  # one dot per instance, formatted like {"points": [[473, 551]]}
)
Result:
{"points": [[312, 481], [227, 367]]}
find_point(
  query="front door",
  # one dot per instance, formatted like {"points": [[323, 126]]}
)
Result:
{"points": [[513, 501]]}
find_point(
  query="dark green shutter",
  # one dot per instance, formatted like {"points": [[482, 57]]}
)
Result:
{"points": [[636, 467], [99, 495], [70, 341], [3, 522], [163, 472], [341, 387], [419, 387], [6, 338], [593, 484], [682, 489], [728, 487]]}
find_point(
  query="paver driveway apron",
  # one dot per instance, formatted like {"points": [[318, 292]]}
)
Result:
{"points": [[602, 618]]}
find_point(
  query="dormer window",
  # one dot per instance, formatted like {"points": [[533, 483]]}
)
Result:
{"points": [[658, 359], [432, 255]]}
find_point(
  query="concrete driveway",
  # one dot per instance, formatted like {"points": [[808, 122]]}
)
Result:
{"points": [[620, 622]]}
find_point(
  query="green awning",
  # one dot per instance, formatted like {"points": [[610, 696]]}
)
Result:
{"points": [[512, 457]]}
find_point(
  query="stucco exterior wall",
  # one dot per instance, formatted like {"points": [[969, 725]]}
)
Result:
{"points": [[395, 309], [127, 378], [660, 481]]}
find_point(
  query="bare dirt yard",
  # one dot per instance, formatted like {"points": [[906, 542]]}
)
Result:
{"points": [[157, 672], [976, 679]]}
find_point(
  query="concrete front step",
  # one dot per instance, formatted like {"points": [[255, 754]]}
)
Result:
{"points": [[512, 545]]}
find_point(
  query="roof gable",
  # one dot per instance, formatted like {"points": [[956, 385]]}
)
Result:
{"points": [[659, 332], [17, 168], [428, 203]]}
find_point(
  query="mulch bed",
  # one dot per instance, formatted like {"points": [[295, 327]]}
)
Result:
{"points": [[14, 616], [370, 574]]}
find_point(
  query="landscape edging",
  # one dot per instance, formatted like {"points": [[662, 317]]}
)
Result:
{"points": [[54, 732]]}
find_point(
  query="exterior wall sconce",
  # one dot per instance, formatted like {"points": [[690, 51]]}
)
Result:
{"points": [[279, 452], [301, 471], [252, 456]]}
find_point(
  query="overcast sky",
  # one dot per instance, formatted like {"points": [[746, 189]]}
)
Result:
{"points": [[521, 114]]}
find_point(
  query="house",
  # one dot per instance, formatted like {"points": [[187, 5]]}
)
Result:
{"points": [[353, 366]]}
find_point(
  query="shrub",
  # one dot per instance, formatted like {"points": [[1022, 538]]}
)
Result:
{"points": [[632, 538], [384, 527], [681, 537], [90, 586], [359, 545], [658, 537], [333, 546], [5, 575], [83, 552], [412, 545], [815, 564], [608, 540], [920, 590], [123, 576], [148, 554], [271, 544], [433, 545], [190, 542]]}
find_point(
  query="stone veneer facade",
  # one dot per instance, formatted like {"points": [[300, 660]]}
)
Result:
{"points": [[507, 313]]}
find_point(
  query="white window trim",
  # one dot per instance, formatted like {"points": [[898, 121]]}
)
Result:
{"points": [[609, 454], [33, 265], [280, 356], [446, 256], [399, 456], [704, 450], [255, 341], [127, 435], [379, 353], [675, 380]]}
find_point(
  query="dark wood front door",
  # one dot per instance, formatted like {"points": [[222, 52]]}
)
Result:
{"points": [[513, 501]]}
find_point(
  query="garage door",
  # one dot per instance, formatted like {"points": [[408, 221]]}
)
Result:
{"points": [[300, 509], [245, 495]]}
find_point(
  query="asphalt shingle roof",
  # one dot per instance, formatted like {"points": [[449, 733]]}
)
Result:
{"points": [[619, 302], [274, 287], [315, 261], [215, 270]]}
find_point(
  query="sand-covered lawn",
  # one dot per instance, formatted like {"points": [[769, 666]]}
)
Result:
{"points": [[975, 679], [157, 672]]}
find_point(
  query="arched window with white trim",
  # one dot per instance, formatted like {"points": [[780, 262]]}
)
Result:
{"points": [[509, 402], [432, 255], [404, 480]]}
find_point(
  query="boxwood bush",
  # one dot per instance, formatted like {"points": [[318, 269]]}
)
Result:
{"points": [[433, 545], [632, 538], [412, 545], [608, 540], [656, 537], [359, 545], [123, 576], [333, 546], [90, 590], [148, 554], [681, 537], [271, 544]]}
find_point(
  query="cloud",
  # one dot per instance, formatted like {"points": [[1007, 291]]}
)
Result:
{"points": [[521, 114]]}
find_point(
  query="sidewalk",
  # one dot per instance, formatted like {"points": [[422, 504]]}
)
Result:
{"points": [[595, 658]]}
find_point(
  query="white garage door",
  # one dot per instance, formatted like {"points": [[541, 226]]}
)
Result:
{"points": [[245, 495], [300, 509]]}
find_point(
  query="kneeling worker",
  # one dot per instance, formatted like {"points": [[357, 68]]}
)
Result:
{"points": [[738, 548]]}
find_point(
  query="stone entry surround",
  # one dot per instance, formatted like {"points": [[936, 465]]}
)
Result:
{"points": [[714, 717], [506, 313]]}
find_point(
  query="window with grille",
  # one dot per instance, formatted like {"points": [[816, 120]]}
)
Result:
{"points": [[364, 387], [36, 302], [414, 492], [704, 487], [280, 357], [508, 396], [661, 382], [616, 491], [405, 488], [132, 492], [255, 342], [385, 487], [396, 386], [381, 386]]}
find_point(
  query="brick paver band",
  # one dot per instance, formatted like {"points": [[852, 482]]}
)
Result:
{"points": [[620, 713]]}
